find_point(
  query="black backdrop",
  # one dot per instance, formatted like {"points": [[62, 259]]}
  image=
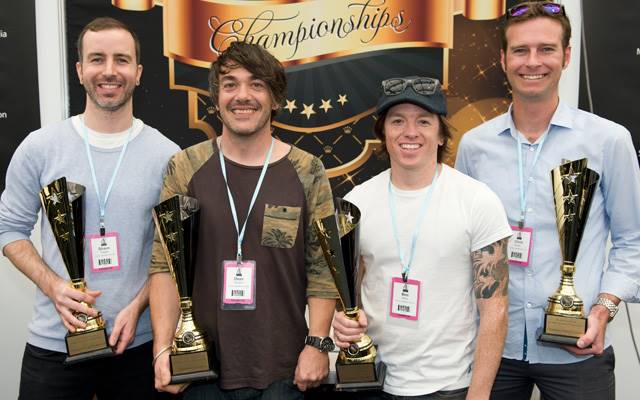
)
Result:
{"points": [[19, 105]]}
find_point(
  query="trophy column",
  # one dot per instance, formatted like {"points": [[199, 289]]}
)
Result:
{"points": [[63, 205], [573, 188], [338, 234], [176, 221]]}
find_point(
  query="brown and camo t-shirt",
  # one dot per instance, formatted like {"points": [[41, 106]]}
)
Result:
{"points": [[257, 347]]}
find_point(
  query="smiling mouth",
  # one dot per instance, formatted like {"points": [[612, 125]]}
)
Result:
{"points": [[243, 111], [410, 146], [532, 77], [109, 86]]}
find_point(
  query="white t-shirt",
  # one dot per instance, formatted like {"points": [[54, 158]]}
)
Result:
{"points": [[436, 351], [106, 140]]}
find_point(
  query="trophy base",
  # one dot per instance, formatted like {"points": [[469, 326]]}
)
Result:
{"points": [[360, 377], [562, 330], [84, 346], [189, 367]]}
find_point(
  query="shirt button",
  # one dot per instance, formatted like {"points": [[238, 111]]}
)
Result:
{"points": [[529, 305], [530, 210], [531, 179], [531, 148]]}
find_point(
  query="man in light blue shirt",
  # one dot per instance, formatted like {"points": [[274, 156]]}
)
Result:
{"points": [[535, 50]]}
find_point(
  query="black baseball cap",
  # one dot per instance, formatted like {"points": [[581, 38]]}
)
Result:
{"points": [[424, 92]]}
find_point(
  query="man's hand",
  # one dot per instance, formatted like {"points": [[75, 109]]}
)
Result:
{"points": [[124, 327], [68, 300], [346, 330], [594, 336], [163, 375], [312, 368]]}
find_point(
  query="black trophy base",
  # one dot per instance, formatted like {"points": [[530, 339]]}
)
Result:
{"points": [[84, 346], [360, 377], [562, 330], [190, 367]]}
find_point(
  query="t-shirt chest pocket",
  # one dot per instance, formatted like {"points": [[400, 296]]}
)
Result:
{"points": [[280, 226]]}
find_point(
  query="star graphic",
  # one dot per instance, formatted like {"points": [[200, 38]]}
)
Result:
{"points": [[59, 218], [65, 236], [171, 237], [326, 105], [54, 198], [569, 217], [570, 178], [342, 98], [570, 199], [308, 110], [291, 105], [166, 216], [349, 217]]}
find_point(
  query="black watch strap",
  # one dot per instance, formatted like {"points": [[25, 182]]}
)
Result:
{"points": [[324, 344]]}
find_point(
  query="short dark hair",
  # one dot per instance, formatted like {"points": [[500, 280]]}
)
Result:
{"points": [[537, 11], [255, 59], [445, 135], [105, 24]]}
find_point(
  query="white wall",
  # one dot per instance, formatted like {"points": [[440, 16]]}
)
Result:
{"points": [[17, 292]]}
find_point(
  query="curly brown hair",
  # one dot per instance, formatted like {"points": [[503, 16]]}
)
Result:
{"points": [[255, 59]]}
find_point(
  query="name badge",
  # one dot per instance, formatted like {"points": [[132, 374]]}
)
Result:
{"points": [[405, 298], [104, 252], [239, 283], [519, 247]]}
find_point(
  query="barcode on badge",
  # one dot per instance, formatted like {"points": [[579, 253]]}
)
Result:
{"points": [[237, 293], [104, 261], [516, 254]]}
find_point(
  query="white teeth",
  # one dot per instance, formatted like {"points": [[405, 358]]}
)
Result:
{"points": [[533, 77], [108, 86], [410, 146], [244, 111]]}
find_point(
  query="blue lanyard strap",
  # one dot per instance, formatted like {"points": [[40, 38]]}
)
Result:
{"points": [[524, 186], [253, 198], [103, 202], [406, 267]]}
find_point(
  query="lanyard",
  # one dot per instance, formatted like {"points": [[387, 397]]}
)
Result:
{"points": [[103, 203], [524, 186], [406, 267], [253, 198]]}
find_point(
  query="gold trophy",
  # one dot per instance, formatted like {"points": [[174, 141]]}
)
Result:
{"points": [[176, 221], [338, 235], [573, 188], [63, 204]]}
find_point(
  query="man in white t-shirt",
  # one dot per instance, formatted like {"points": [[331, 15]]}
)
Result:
{"points": [[433, 245]]}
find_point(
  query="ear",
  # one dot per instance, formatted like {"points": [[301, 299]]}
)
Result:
{"points": [[567, 57], [79, 71], [138, 74], [502, 61]]}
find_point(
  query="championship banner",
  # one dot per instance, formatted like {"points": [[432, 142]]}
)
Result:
{"points": [[336, 53], [609, 79], [19, 98]]}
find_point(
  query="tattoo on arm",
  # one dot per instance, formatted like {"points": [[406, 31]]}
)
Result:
{"points": [[491, 270]]}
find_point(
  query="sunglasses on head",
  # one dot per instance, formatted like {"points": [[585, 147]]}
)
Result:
{"points": [[420, 85], [548, 8]]}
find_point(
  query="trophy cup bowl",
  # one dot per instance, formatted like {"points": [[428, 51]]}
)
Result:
{"points": [[63, 205], [176, 221], [573, 188], [338, 235]]}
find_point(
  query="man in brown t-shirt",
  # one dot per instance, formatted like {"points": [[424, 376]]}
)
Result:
{"points": [[258, 197]]}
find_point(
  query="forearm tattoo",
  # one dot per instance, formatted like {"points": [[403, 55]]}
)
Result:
{"points": [[491, 270]]}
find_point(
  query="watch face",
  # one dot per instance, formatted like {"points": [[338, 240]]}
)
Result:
{"points": [[327, 344]]}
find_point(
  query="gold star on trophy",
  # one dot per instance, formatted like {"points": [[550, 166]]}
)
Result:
{"points": [[54, 198], [166, 216]]}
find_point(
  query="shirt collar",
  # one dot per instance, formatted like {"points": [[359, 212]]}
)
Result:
{"points": [[562, 117]]}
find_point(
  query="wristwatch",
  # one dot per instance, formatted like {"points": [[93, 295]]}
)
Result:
{"points": [[610, 305], [324, 344]]}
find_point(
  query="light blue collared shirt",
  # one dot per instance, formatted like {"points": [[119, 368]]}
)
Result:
{"points": [[489, 153]]}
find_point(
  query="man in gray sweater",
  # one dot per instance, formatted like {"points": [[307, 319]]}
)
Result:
{"points": [[120, 161]]}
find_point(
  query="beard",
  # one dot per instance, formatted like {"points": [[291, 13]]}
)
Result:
{"points": [[109, 104]]}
